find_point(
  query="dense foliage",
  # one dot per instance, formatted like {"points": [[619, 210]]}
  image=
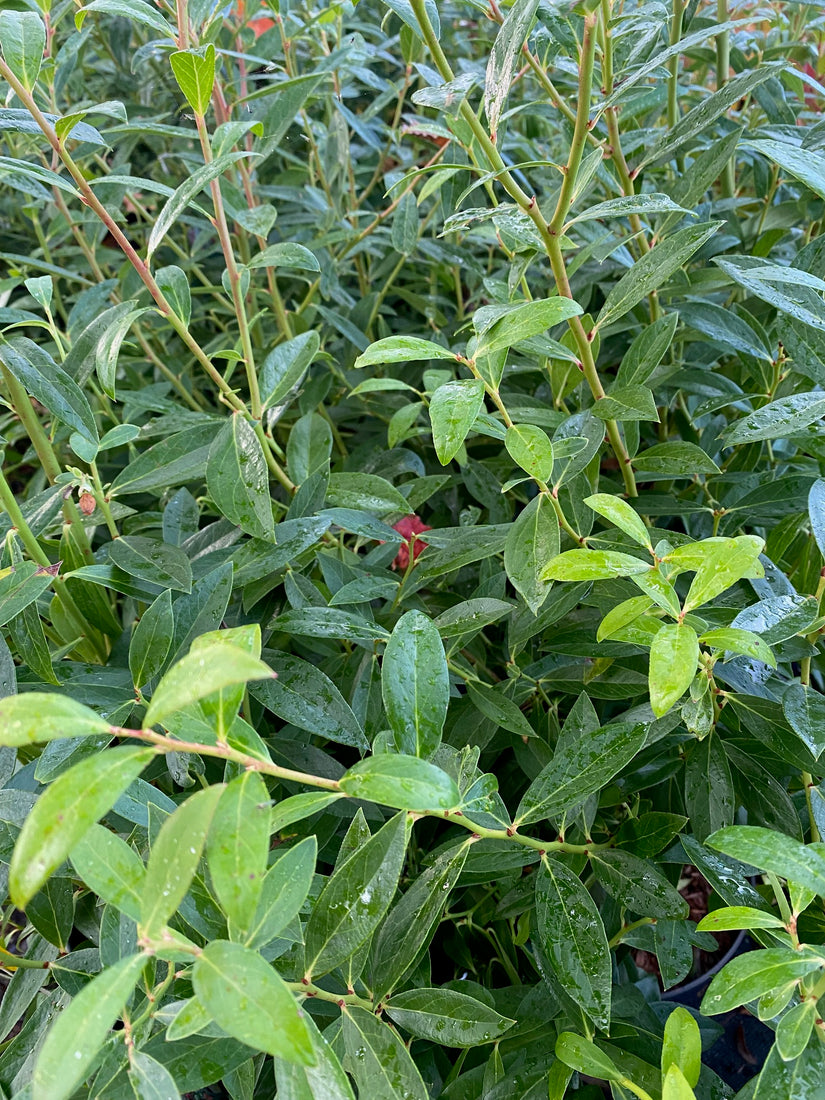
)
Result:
{"points": [[413, 533]]}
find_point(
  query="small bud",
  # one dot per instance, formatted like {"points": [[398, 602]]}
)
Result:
{"points": [[87, 503]]}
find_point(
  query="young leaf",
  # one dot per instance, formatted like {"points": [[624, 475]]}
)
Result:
{"points": [[355, 898], [110, 867], [532, 541], [736, 917], [627, 403], [453, 409], [23, 40], [682, 1045], [573, 938], [501, 327], [404, 782], [44, 716], [620, 514], [739, 641], [247, 998], [446, 1017], [200, 674], [415, 684], [80, 1030], [284, 890], [238, 847], [238, 481], [402, 349], [580, 1054], [65, 810], [380, 1063], [794, 1030], [530, 447], [673, 658], [195, 73], [174, 859], [593, 565], [749, 976], [152, 640]]}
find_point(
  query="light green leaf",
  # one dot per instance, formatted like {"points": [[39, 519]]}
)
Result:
{"points": [[500, 327], [402, 349], [136, 11], [200, 674], [286, 254], [152, 640], [674, 654], [739, 641], [772, 851], [735, 917], [779, 419], [627, 403], [110, 867], [530, 448], [44, 716], [723, 562], [251, 1002], [593, 565], [195, 73], [682, 1045], [621, 515], [453, 409], [580, 1054], [284, 890], [65, 810], [795, 1028], [749, 976], [324, 1080], [380, 1062], [404, 782], [23, 41], [238, 847], [80, 1030]]}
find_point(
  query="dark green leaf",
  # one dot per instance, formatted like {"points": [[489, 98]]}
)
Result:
{"points": [[238, 481], [446, 1017], [415, 684]]}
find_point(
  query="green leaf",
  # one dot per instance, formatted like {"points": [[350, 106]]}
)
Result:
{"points": [[724, 328], [709, 793], [499, 708], [152, 640], [647, 351], [366, 492], [152, 560], [573, 938], [110, 867], [593, 565], [653, 203], [794, 1030], [355, 898], [804, 710], [304, 696], [446, 1017], [286, 365], [654, 269], [174, 859], [415, 684], [453, 409], [735, 917], [638, 885], [579, 769], [286, 254], [806, 165], [309, 447], [627, 403], [378, 1060], [682, 1045], [739, 641], [621, 515], [500, 327], [80, 1030], [675, 1086], [795, 1080], [323, 1080], [530, 448], [771, 851], [136, 11], [195, 73], [503, 59], [720, 563], [649, 833], [402, 349], [238, 480], [65, 810], [532, 541], [580, 1054], [673, 658], [200, 674], [284, 890], [20, 588], [675, 460], [779, 419], [173, 461], [299, 806], [250, 1001], [44, 716], [23, 39], [405, 226], [187, 191], [149, 1079], [761, 277], [404, 782], [35, 369], [411, 922], [329, 622], [749, 976], [238, 847]]}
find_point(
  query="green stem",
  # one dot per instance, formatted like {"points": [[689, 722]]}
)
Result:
{"points": [[673, 65], [727, 181], [805, 680], [103, 502], [620, 935]]}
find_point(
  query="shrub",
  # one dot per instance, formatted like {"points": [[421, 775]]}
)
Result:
{"points": [[413, 547]]}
